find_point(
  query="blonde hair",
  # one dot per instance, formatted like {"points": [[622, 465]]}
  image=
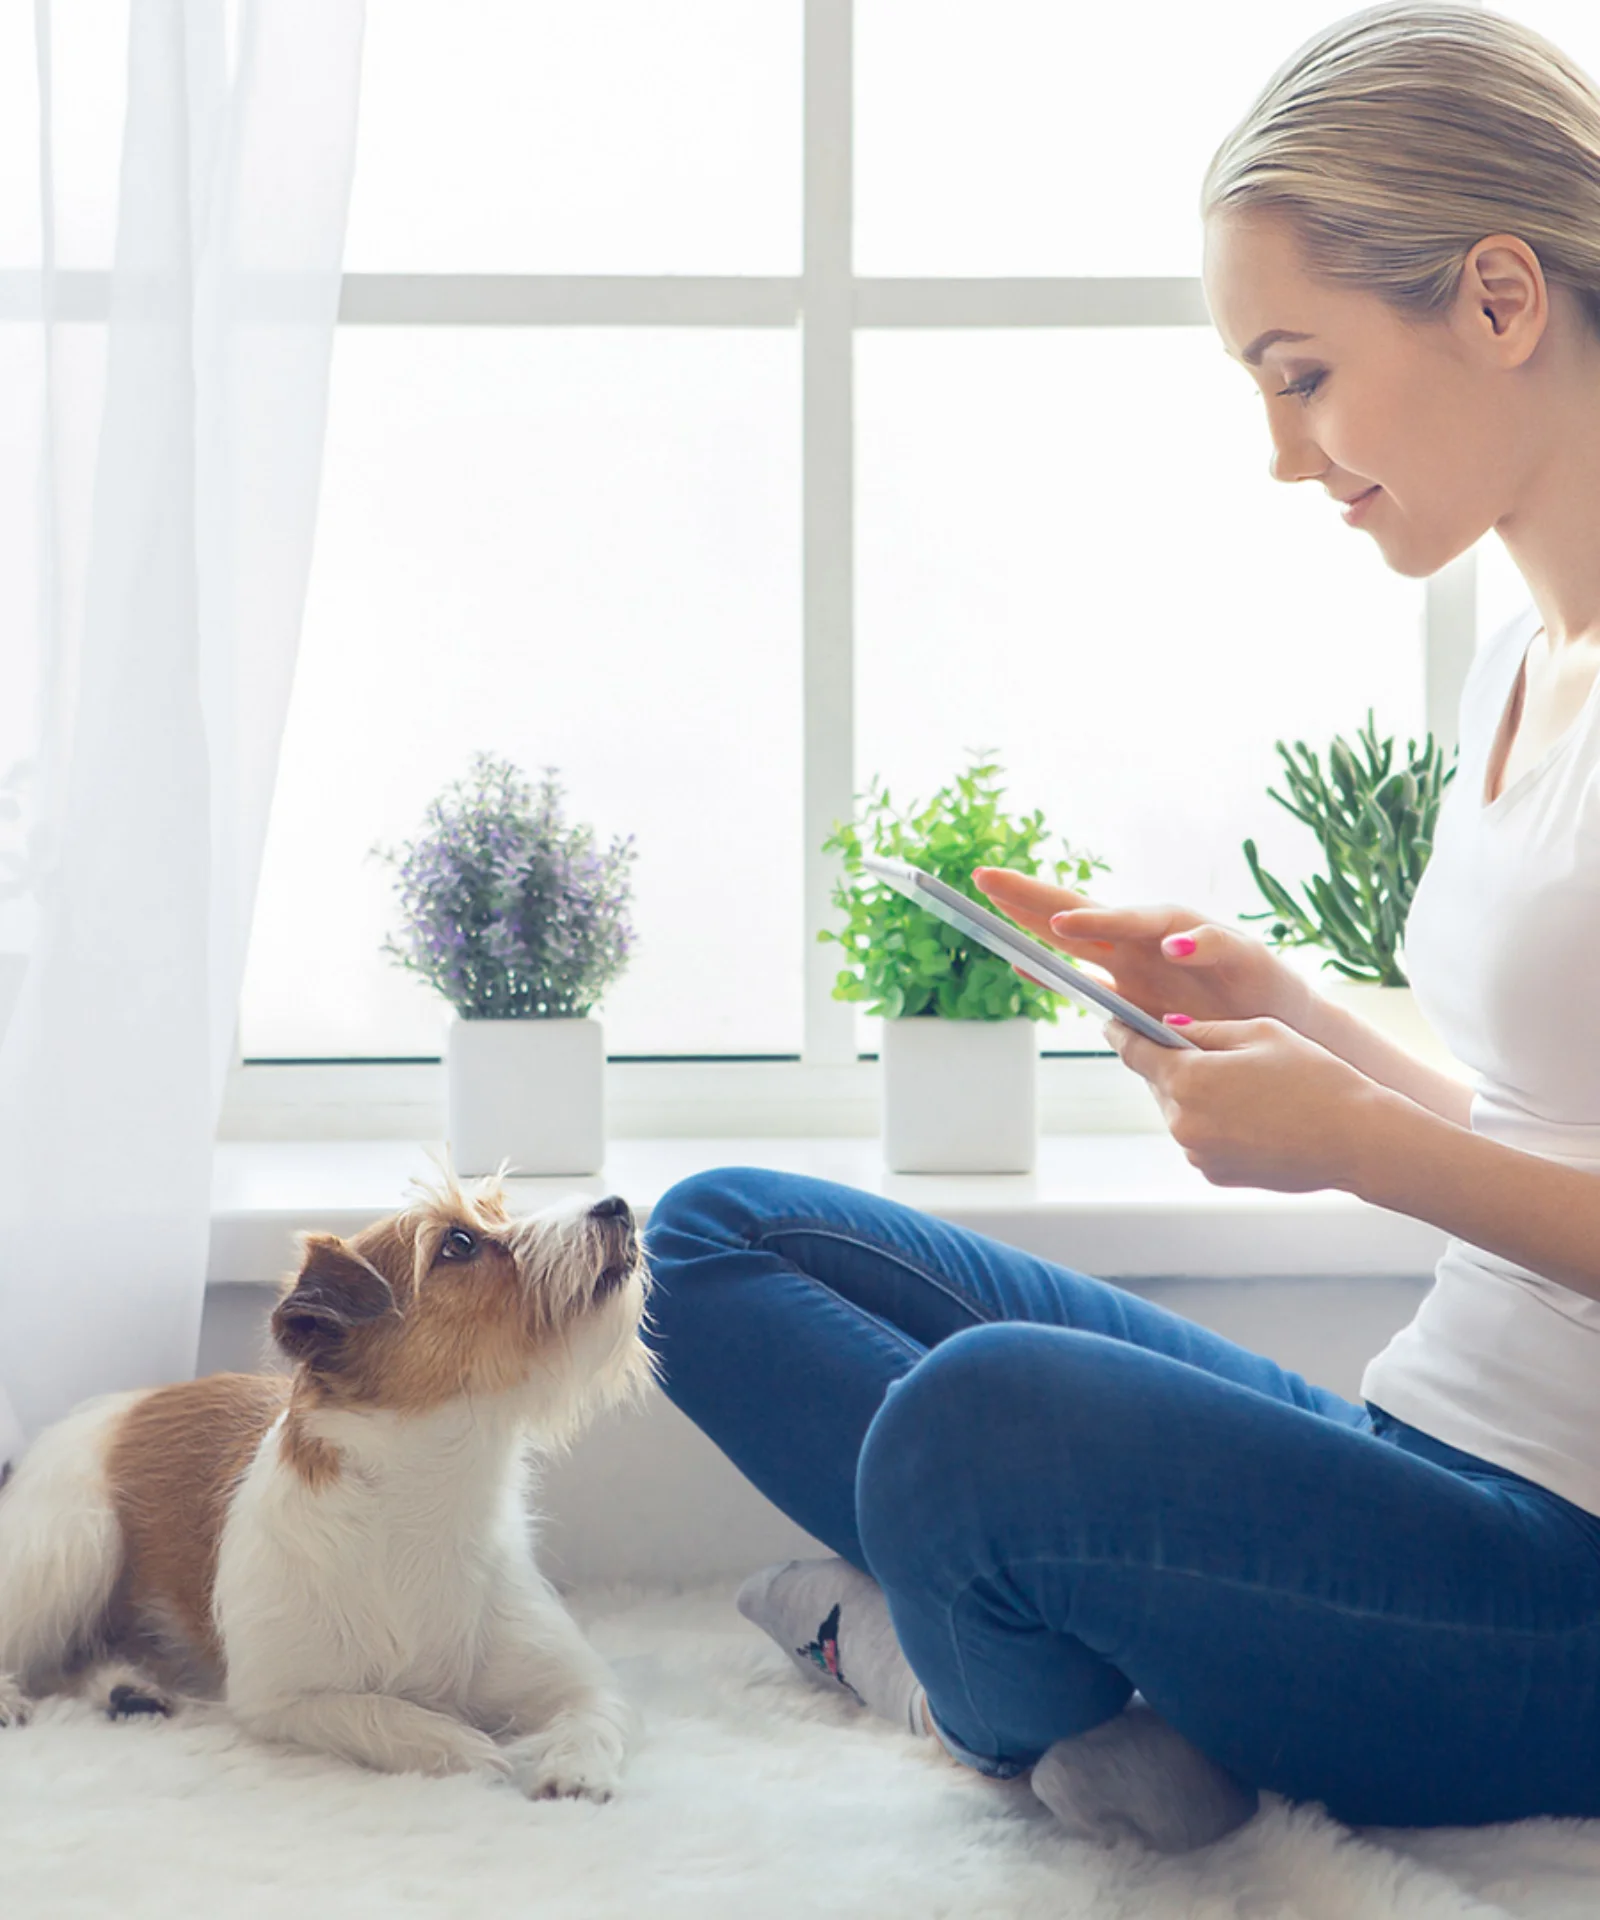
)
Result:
{"points": [[1397, 138]]}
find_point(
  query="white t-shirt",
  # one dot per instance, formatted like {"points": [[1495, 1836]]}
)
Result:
{"points": [[1502, 948]]}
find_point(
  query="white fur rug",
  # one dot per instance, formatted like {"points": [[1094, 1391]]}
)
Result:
{"points": [[751, 1795]]}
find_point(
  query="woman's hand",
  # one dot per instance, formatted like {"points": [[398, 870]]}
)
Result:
{"points": [[1259, 1105], [1226, 976]]}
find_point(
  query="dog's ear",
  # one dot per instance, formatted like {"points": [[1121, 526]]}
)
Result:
{"points": [[336, 1290]]}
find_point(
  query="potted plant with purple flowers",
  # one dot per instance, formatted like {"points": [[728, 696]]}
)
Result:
{"points": [[521, 923]]}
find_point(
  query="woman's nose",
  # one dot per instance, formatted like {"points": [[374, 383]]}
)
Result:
{"points": [[1301, 461]]}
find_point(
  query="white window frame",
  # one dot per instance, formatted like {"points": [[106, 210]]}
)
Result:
{"points": [[829, 1089]]}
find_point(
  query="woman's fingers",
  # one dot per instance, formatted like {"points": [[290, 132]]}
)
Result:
{"points": [[1197, 943], [1226, 975], [1028, 901], [1121, 923], [1081, 927], [1026, 889], [1132, 924]]}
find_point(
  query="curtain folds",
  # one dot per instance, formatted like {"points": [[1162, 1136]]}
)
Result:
{"points": [[160, 447]]}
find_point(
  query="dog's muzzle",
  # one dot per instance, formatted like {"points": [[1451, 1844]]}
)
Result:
{"points": [[619, 1240]]}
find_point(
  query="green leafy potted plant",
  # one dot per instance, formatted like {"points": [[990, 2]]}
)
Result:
{"points": [[522, 924], [958, 1051], [1375, 822]]}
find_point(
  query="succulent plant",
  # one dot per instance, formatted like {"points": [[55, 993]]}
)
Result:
{"points": [[1376, 824]]}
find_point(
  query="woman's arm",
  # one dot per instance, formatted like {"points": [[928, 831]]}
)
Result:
{"points": [[1379, 1058], [1543, 1215], [1232, 976], [1264, 1104]]}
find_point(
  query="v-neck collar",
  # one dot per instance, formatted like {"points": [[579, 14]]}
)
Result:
{"points": [[1516, 692]]}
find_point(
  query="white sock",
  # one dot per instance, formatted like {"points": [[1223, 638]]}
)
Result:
{"points": [[1136, 1777], [833, 1622]]}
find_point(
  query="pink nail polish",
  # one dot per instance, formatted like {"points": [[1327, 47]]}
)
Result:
{"points": [[1177, 1020], [1177, 943]]}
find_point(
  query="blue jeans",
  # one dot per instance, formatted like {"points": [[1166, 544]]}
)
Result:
{"points": [[1066, 1493]]}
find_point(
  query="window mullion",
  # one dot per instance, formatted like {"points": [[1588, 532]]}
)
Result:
{"points": [[828, 510], [1449, 640]]}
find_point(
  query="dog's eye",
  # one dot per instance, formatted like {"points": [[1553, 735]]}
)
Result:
{"points": [[458, 1244]]}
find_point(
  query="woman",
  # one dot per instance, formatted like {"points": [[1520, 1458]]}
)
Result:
{"points": [[1076, 1534]]}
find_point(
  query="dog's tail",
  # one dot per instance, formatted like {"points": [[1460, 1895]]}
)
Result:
{"points": [[60, 1544]]}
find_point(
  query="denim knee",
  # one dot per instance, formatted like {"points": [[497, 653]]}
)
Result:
{"points": [[712, 1204], [925, 1434], [963, 1423], [707, 1214]]}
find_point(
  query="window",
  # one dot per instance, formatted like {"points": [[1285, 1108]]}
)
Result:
{"points": [[1025, 137], [573, 546], [1009, 487], [669, 447], [616, 137]]}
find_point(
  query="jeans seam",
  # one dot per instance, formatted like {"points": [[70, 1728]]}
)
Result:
{"points": [[998, 1758], [894, 1254], [913, 1349], [1286, 1593], [966, 1684]]}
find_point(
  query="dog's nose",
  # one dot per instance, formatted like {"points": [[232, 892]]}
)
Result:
{"points": [[613, 1207]]}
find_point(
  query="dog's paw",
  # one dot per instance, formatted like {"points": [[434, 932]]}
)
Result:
{"points": [[16, 1709], [126, 1702], [569, 1759], [125, 1692]]}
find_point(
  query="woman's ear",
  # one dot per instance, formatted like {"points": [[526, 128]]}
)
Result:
{"points": [[1503, 288], [335, 1290]]}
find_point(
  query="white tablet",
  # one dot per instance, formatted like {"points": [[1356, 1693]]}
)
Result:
{"points": [[1051, 968]]}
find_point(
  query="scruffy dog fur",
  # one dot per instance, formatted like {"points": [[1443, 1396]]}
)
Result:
{"points": [[345, 1554]]}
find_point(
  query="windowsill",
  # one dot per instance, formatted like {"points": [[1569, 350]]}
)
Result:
{"points": [[712, 1099], [1119, 1205]]}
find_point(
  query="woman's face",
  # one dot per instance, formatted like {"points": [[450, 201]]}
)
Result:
{"points": [[1369, 399]]}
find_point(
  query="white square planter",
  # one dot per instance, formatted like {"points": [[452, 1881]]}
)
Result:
{"points": [[960, 1096], [528, 1091]]}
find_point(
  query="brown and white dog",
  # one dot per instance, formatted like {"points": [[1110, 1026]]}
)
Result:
{"points": [[345, 1554]]}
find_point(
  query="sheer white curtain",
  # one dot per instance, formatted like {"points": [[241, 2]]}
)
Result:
{"points": [[167, 302]]}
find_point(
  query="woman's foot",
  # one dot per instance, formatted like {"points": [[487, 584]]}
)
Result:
{"points": [[1132, 1777], [833, 1622], [1136, 1777]]}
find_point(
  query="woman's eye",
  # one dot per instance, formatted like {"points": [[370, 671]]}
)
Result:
{"points": [[457, 1244], [1303, 387]]}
